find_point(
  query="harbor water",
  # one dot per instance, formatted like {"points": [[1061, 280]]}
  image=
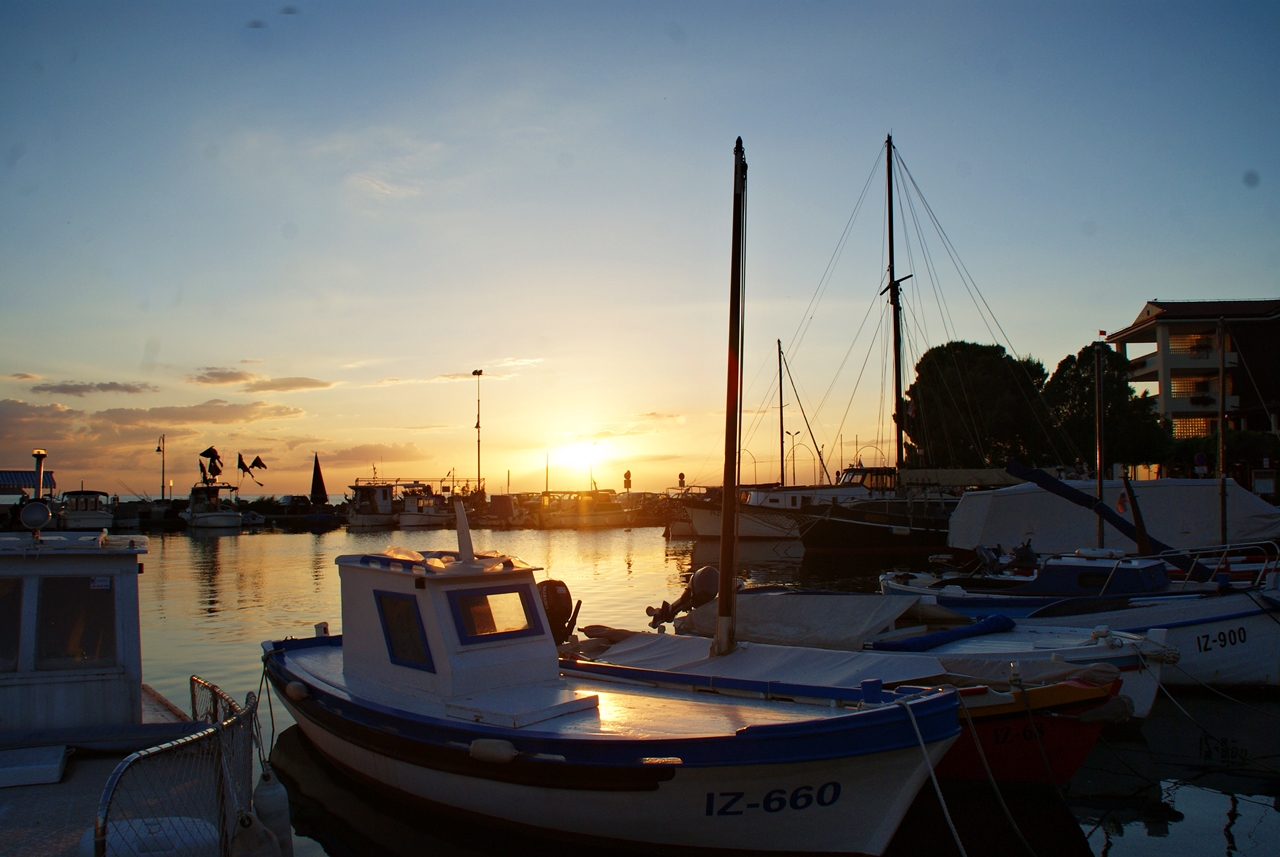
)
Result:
{"points": [[1201, 775]]}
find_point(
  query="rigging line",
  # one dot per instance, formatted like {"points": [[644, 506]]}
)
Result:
{"points": [[825, 280], [975, 436], [817, 452], [852, 343], [944, 311], [870, 346], [1249, 372], [971, 287]]}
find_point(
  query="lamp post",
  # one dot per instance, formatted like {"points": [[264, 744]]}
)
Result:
{"points": [[792, 435], [160, 449], [755, 472], [478, 373]]}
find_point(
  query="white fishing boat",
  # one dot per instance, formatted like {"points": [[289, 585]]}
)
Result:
{"points": [[85, 510], [426, 507], [446, 687], [373, 503], [206, 510]]}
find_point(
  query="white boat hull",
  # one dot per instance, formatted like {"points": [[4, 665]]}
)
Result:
{"points": [[422, 520], [87, 521], [220, 520], [752, 524], [721, 808], [372, 520]]}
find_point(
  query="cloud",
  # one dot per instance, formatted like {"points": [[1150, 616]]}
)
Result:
{"points": [[465, 376], [214, 411], [79, 389], [512, 362], [382, 187], [367, 453], [388, 382], [424, 428], [654, 415], [21, 420], [24, 376], [219, 375], [252, 360], [292, 443], [285, 385]]}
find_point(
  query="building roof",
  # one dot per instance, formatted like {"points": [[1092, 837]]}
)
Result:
{"points": [[24, 479], [1158, 311]]}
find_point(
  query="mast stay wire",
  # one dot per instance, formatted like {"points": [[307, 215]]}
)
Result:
{"points": [[870, 348], [971, 287], [824, 281], [973, 429]]}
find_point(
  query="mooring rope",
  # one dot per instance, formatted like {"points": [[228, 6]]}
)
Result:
{"points": [[995, 786], [937, 788]]}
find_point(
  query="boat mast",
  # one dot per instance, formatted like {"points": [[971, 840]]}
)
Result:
{"points": [[724, 642], [895, 302], [782, 425]]}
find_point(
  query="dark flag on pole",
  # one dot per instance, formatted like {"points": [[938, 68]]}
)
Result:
{"points": [[245, 468], [258, 462], [204, 475]]}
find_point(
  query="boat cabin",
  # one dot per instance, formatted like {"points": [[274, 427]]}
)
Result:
{"points": [[204, 497], [86, 501], [440, 623], [70, 648], [373, 499]]}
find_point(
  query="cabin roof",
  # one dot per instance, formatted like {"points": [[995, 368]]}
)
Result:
{"points": [[435, 563]]}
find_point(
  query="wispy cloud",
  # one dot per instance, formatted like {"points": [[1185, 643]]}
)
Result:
{"points": [[292, 443], [214, 375], [285, 385], [252, 360], [214, 411], [391, 382], [80, 389], [382, 187], [367, 453], [24, 376], [424, 428], [512, 362]]}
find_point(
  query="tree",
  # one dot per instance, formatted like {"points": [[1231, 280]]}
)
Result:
{"points": [[1131, 430], [974, 405]]}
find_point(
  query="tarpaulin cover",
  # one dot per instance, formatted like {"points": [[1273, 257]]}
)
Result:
{"points": [[837, 620], [925, 642], [1182, 513], [762, 662]]}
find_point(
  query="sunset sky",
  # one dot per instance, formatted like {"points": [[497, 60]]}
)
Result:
{"points": [[280, 229]]}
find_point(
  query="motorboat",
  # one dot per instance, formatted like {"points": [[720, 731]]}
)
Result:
{"points": [[425, 508], [580, 510], [373, 503], [206, 510], [446, 687], [86, 511]]}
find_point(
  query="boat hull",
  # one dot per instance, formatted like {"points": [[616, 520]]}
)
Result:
{"points": [[424, 521], [357, 519], [753, 523], [214, 520], [711, 808], [877, 526]]}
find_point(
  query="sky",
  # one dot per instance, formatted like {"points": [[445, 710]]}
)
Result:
{"points": [[292, 229]]}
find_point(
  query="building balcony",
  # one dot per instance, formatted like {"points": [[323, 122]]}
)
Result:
{"points": [[1205, 405], [1146, 368]]}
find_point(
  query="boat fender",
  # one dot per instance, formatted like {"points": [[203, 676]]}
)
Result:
{"points": [[296, 690], [1117, 709], [1101, 632], [253, 839], [493, 750], [271, 804]]}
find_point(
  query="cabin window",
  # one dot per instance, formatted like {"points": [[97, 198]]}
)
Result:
{"points": [[402, 627], [1093, 579], [10, 622], [494, 613], [76, 623]]}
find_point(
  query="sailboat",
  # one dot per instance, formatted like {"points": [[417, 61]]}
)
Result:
{"points": [[446, 689]]}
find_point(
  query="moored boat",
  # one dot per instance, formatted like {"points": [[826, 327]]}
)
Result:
{"points": [[373, 503], [206, 510], [85, 510]]}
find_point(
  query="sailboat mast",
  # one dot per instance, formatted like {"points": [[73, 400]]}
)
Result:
{"points": [[782, 425], [895, 302], [724, 641]]}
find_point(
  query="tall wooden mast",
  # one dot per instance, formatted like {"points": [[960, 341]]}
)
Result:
{"points": [[724, 640], [782, 426], [896, 303]]}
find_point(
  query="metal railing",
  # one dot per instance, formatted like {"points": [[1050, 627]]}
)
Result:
{"points": [[186, 795]]}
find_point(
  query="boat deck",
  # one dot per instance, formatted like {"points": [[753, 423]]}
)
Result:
{"points": [[623, 710], [49, 819]]}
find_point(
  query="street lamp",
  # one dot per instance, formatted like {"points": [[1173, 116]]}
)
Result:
{"points": [[160, 449], [478, 373], [792, 435], [755, 473]]}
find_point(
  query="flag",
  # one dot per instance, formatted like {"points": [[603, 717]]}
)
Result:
{"points": [[258, 462], [1122, 504], [214, 469], [204, 475], [244, 468]]}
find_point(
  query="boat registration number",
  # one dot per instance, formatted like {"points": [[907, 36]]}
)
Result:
{"points": [[1220, 640], [801, 797]]}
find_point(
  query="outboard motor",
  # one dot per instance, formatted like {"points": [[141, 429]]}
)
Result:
{"points": [[703, 586], [561, 612]]}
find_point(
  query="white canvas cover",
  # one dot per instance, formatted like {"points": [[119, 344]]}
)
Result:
{"points": [[763, 662], [830, 621], [1182, 513]]}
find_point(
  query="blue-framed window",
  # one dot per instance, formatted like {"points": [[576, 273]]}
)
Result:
{"points": [[489, 613], [402, 628]]}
